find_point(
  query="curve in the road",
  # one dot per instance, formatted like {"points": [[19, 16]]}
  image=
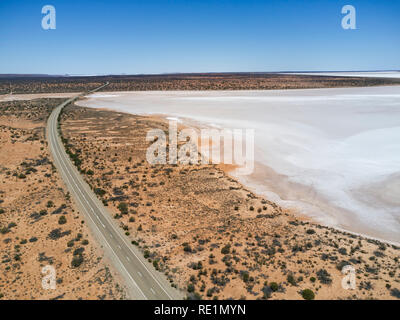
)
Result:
{"points": [[141, 279]]}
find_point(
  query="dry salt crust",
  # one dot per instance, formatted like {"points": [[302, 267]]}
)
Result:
{"points": [[32, 96], [379, 74], [332, 154]]}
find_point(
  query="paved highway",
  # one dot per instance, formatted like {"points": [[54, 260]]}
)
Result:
{"points": [[140, 278]]}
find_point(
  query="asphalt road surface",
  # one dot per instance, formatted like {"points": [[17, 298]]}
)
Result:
{"points": [[140, 278]]}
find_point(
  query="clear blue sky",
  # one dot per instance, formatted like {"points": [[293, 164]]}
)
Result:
{"points": [[114, 37]]}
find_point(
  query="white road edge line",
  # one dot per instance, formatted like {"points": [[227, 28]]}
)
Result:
{"points": [[71, 178], [113, 227], [105, 240], [66, 173]]}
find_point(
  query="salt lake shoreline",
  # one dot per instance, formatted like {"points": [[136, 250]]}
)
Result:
{"points": [[301, 213]]}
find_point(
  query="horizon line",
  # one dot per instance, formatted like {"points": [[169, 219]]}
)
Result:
{"points": [[67, 75]]}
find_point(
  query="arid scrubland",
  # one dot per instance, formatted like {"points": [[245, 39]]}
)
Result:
{"points": [[39, 225], [210, 235], [195, 81]]}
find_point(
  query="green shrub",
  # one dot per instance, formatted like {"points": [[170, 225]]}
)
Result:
{"points": [[290, 279], [99, 192], [187, 247], [245, 276], [12, 225], [123, 207], [226, 249], [307, 294], [78, 251], [77, 261], [395, 293], [190, 287], [155, 264], [62, 220], [324, 276], [274, 286], [4, 230]]}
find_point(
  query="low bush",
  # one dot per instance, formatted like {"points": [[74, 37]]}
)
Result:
{"points": [[308, 294], [62, 220]]}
